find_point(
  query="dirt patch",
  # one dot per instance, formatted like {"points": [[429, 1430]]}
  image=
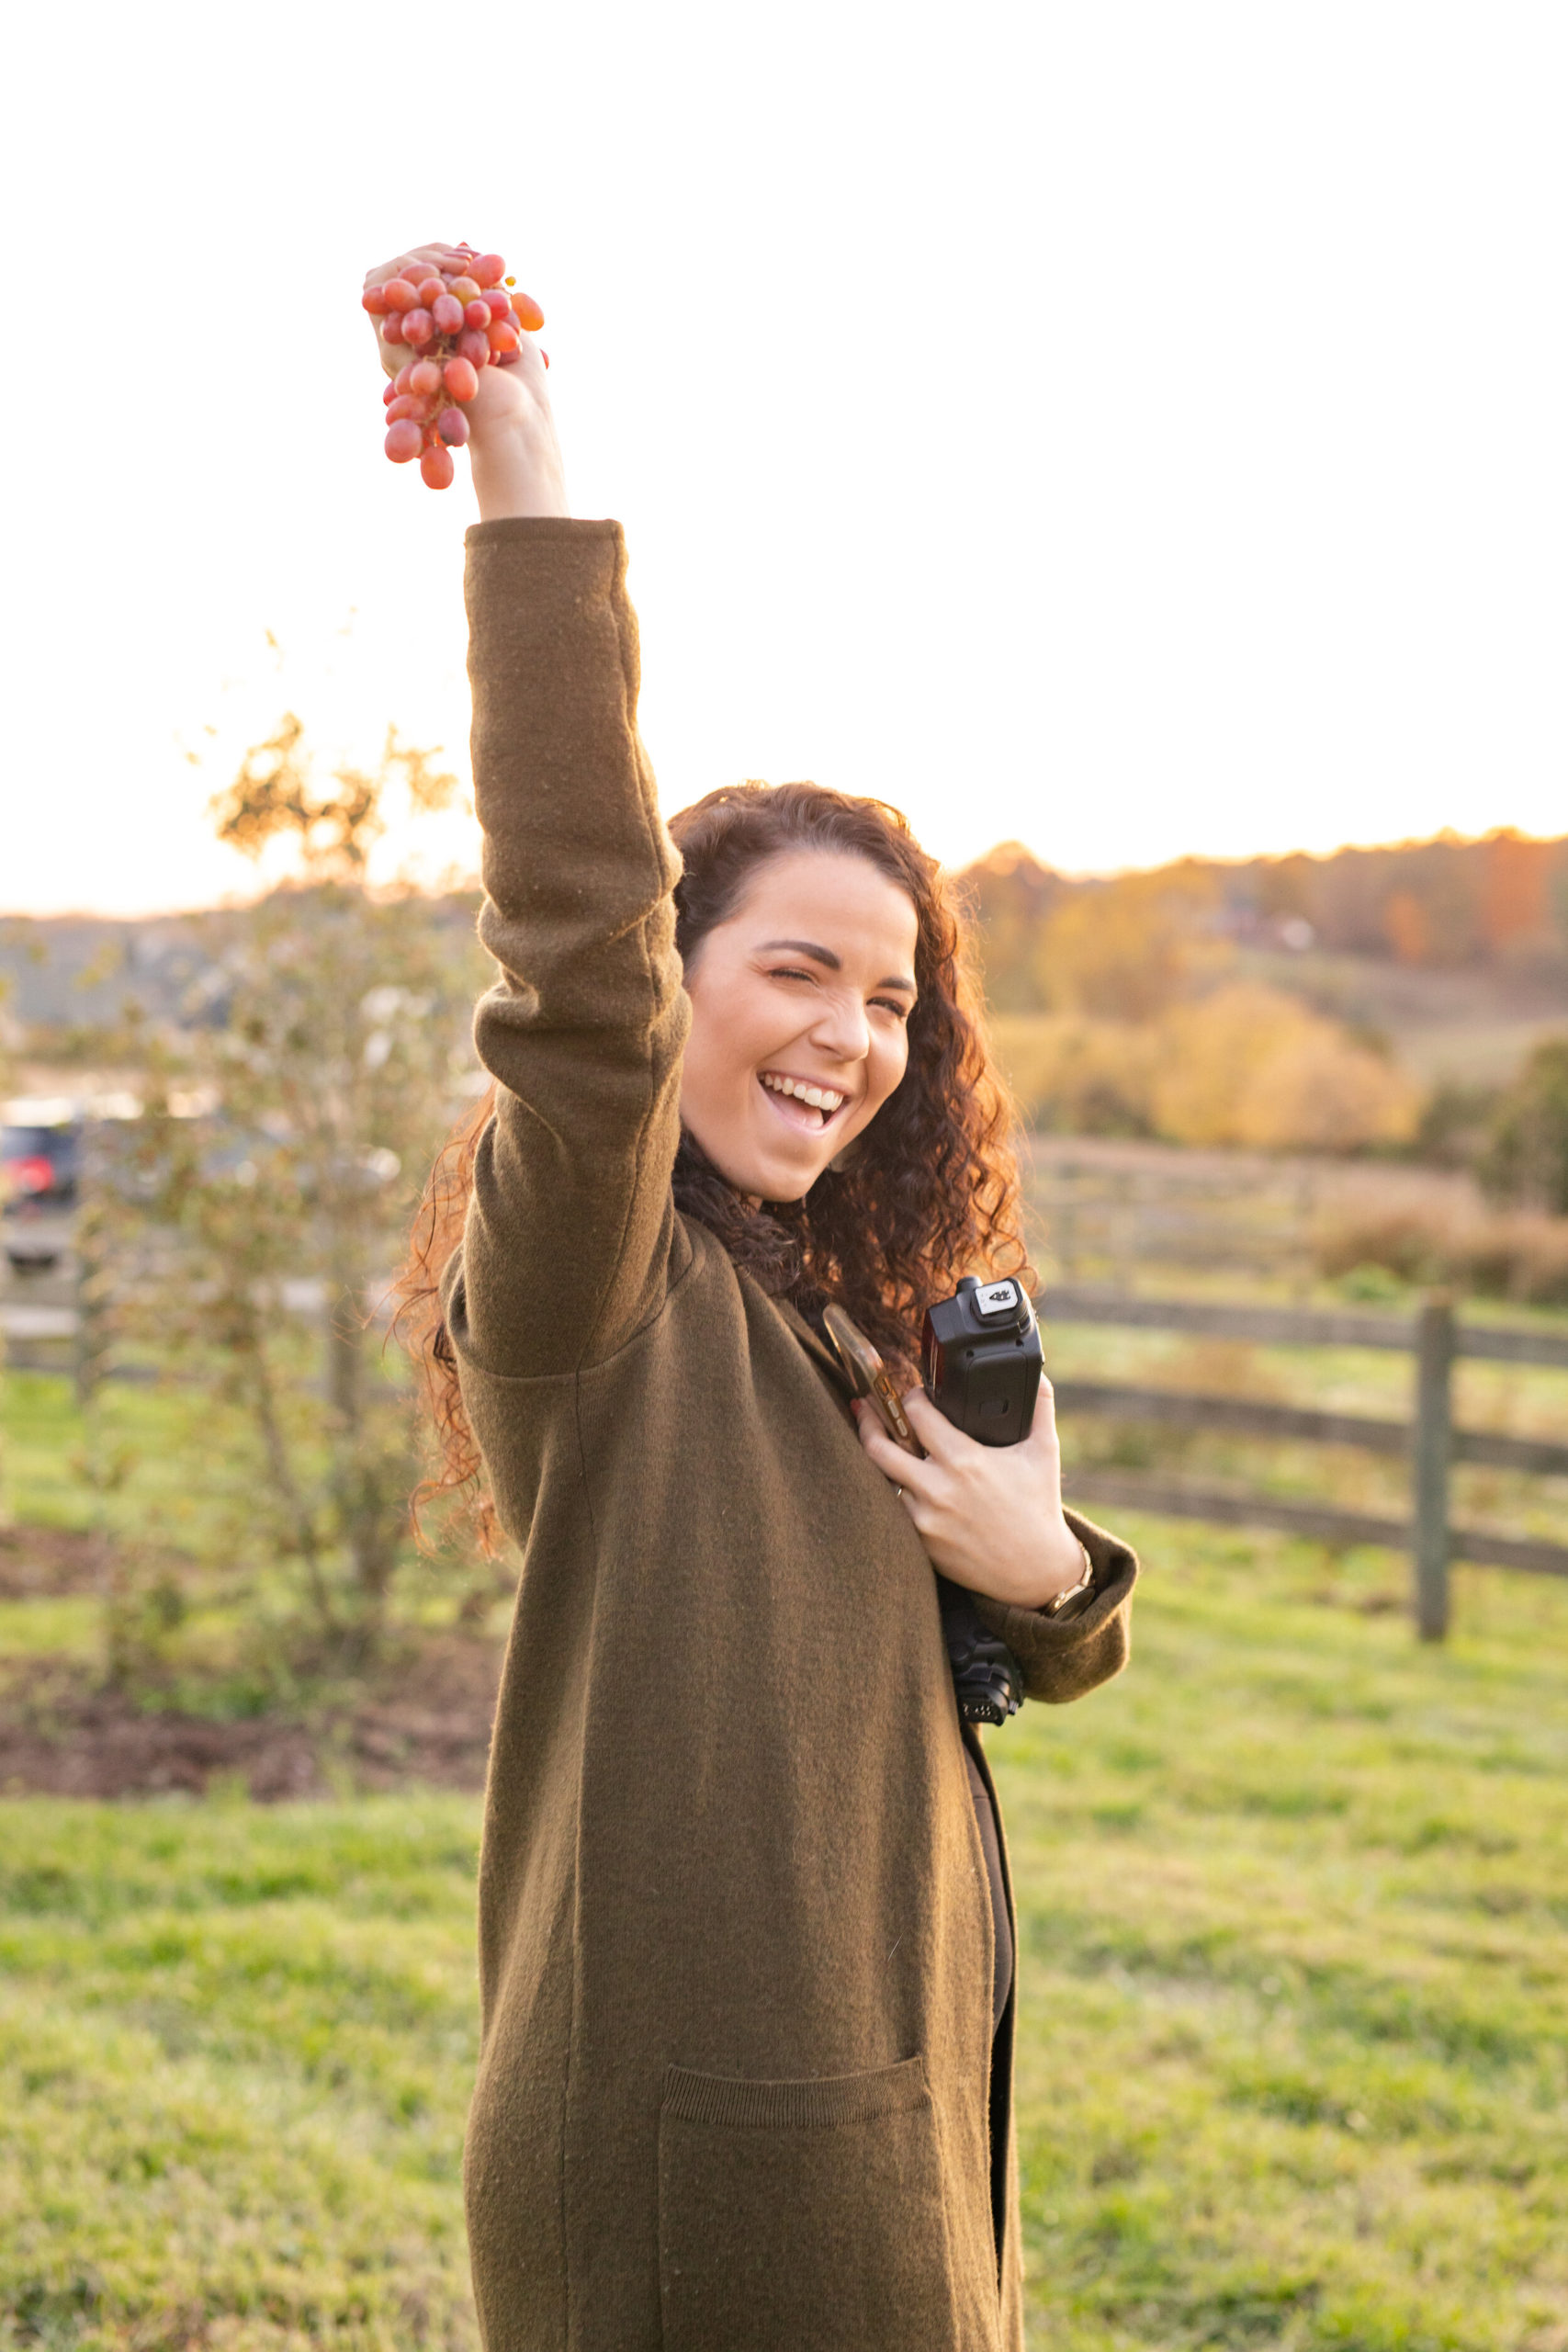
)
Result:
{"points": [[427, 1719], [38, 1562]]}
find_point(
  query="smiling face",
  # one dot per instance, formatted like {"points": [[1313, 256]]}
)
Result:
{"points": [[799, 1006]]}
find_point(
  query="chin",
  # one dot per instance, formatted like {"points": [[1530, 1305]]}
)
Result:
{"points": [[766, 1181], [765, 1176], [787, 1188]]}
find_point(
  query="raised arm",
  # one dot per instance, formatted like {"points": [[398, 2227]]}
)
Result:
{"points": [[567, 1248]]}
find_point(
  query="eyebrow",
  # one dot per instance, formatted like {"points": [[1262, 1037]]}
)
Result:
{"points": [[834, 962]]}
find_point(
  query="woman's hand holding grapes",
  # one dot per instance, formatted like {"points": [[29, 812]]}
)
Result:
{"points": [[511, 433]]}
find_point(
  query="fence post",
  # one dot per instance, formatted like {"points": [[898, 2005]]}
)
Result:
{"points": [[1429, 1466], [91, 1277], [1067, 1222]]}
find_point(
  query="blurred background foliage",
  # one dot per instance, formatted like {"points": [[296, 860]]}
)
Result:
{"points": [[238, 1238], [1407, 1003]]}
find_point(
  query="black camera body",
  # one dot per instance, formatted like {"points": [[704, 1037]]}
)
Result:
{"points": [[981, 1360]]}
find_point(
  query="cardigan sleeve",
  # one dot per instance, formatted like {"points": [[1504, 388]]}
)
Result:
{"points": [[1063, 1659], [567, 1251]]}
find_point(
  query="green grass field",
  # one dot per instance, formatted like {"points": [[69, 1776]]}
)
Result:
{"points": [[1293, 2061]]}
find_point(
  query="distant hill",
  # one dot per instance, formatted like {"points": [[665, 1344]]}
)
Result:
{"points": [[66, 974]]}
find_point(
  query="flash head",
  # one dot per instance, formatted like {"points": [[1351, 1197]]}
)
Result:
{"points": [[980, 1359]]}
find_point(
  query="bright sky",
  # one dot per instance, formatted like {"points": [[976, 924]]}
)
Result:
{"points": [[1128, 427]]}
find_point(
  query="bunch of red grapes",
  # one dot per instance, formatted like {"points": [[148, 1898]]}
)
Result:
{"points": [[454, 320]]}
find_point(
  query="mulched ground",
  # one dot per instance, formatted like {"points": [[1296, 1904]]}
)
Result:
{"points": [[425, 1717]]}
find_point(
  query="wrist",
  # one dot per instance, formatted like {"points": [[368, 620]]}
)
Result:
{"points": [[1064, 1572], [516, 471]]}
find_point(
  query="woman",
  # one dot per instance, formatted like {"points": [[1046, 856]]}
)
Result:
{"points": [[745, 1929]]}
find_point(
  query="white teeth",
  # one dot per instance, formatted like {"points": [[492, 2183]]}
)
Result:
{"points": [[825, 1099]]}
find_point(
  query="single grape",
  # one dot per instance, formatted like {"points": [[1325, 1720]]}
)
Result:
{"points": [[529, 315], [401, 380], [477, 315], [436, 469], [447, 312], [399, 294], [464, 288], [425, 378], [487, 270], [374, 299], [431, 286], [498, 303], [474, 347], [404, 440], [388, 392], [418, 326], [392, 328], [453, 426], [461, 379], [503, 337], [403, 404]]}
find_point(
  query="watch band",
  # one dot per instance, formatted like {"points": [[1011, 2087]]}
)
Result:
{"points": [[1057, 1605]]}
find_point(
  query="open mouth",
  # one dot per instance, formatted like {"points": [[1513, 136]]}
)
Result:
{"points": [[807, 1106]]}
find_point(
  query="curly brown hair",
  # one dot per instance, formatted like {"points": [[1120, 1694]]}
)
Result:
{"points": [[927, 1192]]}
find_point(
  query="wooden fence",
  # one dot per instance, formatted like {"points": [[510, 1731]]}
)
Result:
{"points": [[1120, 1220], [1429, 1443], [50, 1324]]}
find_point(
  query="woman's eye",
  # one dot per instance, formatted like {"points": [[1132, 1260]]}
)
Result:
{"points": [[890, 1004], [788, 972]]}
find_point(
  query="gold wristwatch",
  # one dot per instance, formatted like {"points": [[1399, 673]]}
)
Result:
{"points": [[1077, 1597]]}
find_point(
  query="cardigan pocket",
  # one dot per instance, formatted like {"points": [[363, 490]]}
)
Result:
{"points": [[803, 2216]]}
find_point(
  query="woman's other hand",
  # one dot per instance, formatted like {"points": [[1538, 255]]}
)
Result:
{"points": [[989, 1516], [512, 434]]}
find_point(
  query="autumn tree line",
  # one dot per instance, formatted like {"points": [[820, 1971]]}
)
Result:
{"points": [[1445, 904], [1197, 1002]]}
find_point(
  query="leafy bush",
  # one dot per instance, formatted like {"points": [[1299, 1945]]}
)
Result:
{"points": [[1520, 1257], [1526, 1158], [249, 1233], [1244, 1066]]}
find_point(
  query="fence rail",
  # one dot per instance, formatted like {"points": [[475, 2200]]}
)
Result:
{"points": [[1294, 1326], [1538, 1457], [47, 1332], [1430, 1444]]}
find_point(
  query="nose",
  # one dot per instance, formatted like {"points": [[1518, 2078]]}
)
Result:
{"points": [[842, 1028]]}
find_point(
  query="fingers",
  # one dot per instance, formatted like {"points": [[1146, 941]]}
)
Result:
{"points": [[933, 1428], [1042, 1434], [902, 1468], [434, 257], [952, 1447]]}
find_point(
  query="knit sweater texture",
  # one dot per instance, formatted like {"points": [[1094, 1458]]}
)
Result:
{"points": [[735, 2089]]}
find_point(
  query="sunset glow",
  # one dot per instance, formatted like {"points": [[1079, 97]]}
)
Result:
{"points": [[1128, 431]]}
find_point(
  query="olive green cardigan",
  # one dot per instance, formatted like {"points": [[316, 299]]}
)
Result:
{"points": [[736, 2088]]}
